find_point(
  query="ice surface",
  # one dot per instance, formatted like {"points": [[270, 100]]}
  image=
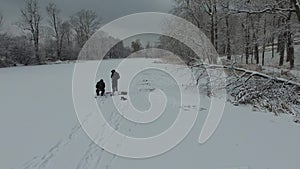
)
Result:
{"points": [[39, 128]]}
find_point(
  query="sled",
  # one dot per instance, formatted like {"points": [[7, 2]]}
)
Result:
{"points": [[121, 93]]}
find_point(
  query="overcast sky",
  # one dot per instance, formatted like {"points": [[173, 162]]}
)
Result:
{"points": [[107, 9]]}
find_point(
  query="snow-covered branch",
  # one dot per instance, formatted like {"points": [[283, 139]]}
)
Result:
{"points": [[263, 92], [266, 10]]}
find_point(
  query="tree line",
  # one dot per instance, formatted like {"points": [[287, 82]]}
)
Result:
{"points": [[244, 27], [52, 38], [47, 38], [248, 28]]}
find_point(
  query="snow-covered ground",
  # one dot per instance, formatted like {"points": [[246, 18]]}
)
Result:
{"points": [[39, 127]]}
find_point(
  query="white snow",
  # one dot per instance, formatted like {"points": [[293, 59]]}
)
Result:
{"points": [[39, 127]]}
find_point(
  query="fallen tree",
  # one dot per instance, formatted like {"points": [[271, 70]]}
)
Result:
{"points": [[263, 92]]}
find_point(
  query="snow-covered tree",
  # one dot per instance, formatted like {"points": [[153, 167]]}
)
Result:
{"points": [[56, 23], [30, 21], [136, 45], [245, 27], [85, 23]]}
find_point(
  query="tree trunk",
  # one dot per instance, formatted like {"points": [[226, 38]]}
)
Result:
{"points": [[55, 27], [273, 45], [35, 34], [61, 41], [212, 29], [252, 54], [228, 48], [279, 36], [36, 50], [247, 39], [296, 4], [290, 43], [290, 50], [290, 47], [281, 47], [263, 55], [256, 51], [273, 38], [216, 24], [265, 41]]}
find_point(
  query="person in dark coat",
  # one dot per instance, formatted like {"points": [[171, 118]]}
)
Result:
{"points": [[100, 87], [114, 78]]}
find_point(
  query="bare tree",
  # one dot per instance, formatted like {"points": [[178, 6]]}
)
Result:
{"points": [[290, 43], [67, 30], [136, 45], [210, 7], [30, 21], [198, 11], [85, 23], [264, 41], [1, 19], [246, 28], [296, 4], [282, 12], [227, 27], [56, 25]]}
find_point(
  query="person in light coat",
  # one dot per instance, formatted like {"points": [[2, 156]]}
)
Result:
{"points": [[115, 76]]}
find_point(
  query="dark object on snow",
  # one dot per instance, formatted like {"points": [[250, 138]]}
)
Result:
{"points": [[123, 93], [100, 87], [123, 98], [114, 77], [297, 118]]}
